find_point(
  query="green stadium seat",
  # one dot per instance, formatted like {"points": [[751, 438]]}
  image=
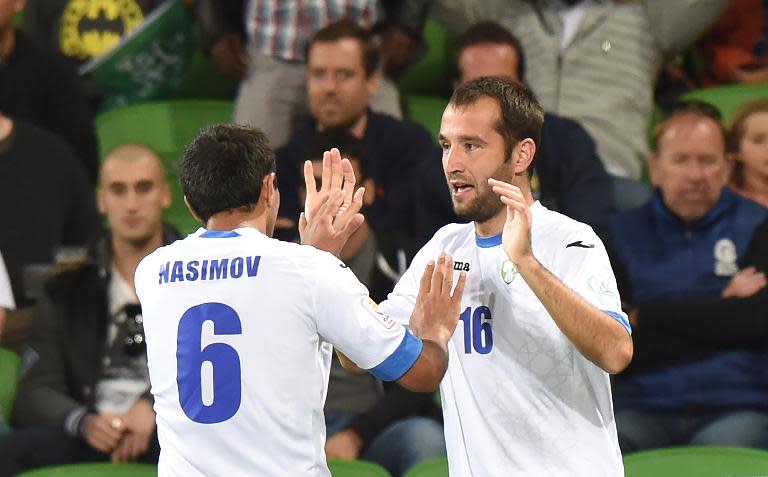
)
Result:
{"points": [[356, 468], [728, 98], [429, 468], [425, 110], [9, 377], [696, 462], [432, 74], [94, 470], [166, 127]]}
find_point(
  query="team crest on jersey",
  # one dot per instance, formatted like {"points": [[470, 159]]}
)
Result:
{"points": [[605, 292], [375, 311], [725, 258], [508, 271]]}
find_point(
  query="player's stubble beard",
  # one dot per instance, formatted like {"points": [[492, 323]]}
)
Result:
{"points": [[486, 205]]}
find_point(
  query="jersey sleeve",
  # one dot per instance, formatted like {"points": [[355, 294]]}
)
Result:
{"points": [[347, 318], [587, 271]]}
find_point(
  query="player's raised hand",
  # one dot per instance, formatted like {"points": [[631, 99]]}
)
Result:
{"points": [[320, 231], [516, 237], [332, 213], [438, 304]]}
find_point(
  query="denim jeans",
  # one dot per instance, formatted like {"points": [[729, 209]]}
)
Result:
{"points": [[400, 445], [640, 430]]}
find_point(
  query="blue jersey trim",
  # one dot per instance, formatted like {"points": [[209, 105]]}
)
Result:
{"points": [[399, 362], [488, 242], [219, 234], [621, 319]]}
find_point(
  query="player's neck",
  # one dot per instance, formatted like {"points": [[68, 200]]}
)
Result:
{"points": [[236, 219]]}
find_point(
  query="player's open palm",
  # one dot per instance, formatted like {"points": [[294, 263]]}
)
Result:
{"points": [[438, 304], [516, 237], [332, 213]]}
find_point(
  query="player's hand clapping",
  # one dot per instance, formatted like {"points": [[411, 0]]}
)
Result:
{"points": [[436, 312], [332, 214], [516, 237]]}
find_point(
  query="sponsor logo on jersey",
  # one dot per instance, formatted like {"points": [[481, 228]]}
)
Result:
{"points": [[725, 258], [461, 266], [375, 311], [580, 244], [508, 271]]}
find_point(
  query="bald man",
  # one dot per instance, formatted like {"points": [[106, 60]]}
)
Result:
{"points": [[85, 395]]}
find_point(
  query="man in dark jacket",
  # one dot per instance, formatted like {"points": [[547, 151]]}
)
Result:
{"points": [[84, 393], [691, 268]]}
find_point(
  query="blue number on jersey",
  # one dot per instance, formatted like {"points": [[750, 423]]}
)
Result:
{"points": [[477, 330], [223, 358]]}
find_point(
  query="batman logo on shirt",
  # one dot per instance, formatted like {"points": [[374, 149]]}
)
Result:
{"points": [[91, 27]]}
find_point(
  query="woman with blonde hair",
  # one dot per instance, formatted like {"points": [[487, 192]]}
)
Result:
{"points": [[748, 141]]}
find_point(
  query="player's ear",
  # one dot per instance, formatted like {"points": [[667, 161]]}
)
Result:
{"points": [[523, 155], [269, 189], [192, 210]]}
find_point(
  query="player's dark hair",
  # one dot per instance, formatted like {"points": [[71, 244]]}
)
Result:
{"points": [[687, 108], [346, 28], [521, 115], [223, 169], [488, 32]]}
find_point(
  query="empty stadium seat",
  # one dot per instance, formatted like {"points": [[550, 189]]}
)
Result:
{"points": [[696, 462], [9, 377], [431, 75], [94, 470], [356, 468], [728, 98], [429, 468]]}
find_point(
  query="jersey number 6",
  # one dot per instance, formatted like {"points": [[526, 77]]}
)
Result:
{"points": [[224, 363]]}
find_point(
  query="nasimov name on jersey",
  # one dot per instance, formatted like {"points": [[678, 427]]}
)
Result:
{"points": [[213, 269]]}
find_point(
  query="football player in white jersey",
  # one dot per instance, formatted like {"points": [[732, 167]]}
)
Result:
{"points": [[239, 326], [527, 389]]}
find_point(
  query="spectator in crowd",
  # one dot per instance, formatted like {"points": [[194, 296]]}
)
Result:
{"points": [[364, 417], [341, 64], [6, 297], [732, 50], [84, 395], [567, 176], [596, 62], [38, 87], [272, 91], [748, 141], [45, 201], [692, 270]]}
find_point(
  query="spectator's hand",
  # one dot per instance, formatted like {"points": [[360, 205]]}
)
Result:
{"points": [[345, 444], [516, 237], [398, 48], [332, 214], [229, 55], [633, 315], [744, 284], [751, 76], [139, 425], [104, 431], [436, 312]]}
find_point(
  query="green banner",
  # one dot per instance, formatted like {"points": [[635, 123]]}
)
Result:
{"points": [[150, 62]]}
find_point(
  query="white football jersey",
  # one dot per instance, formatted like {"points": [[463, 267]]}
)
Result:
{"points": [[239, 329], [518, 397]]}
